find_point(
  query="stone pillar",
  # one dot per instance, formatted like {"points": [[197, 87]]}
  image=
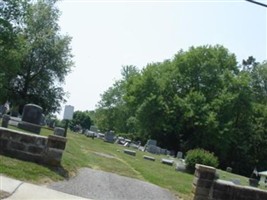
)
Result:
{"points": [[5, 120], [54, 150], [203, 182]]}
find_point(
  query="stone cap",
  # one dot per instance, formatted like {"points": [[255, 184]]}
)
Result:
{"points": [[205, 168], [20, 132]]}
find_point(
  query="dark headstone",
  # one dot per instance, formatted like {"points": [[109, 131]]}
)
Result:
{"points": [[32, 113], [31, 118], [5, 120]]}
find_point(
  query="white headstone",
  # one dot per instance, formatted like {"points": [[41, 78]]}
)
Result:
{"points": [[68, 112]]}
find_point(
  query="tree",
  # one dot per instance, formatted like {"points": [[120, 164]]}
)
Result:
{"points": [[82, 119], [112, 112], [11, 13], [45, 59], [199, 99]]}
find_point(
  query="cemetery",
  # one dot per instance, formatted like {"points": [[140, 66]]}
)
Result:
{"points": [[49, 149]]}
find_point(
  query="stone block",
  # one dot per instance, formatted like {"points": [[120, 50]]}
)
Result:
{"points": [[41, 141], [56, 142], [205, 174], [167, 161], [5, 121], [203, 183], [200, 191], [261, 195], [129, 152], [53, 156], [17, 146], [149, 158], [33, 128], [3, 144], [35, 149], [23, 155], [59, 131], [27, 139]]}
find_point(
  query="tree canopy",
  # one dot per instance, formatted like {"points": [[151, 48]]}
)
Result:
{"points": [[37, 57], [81, 119], [202, 98]]}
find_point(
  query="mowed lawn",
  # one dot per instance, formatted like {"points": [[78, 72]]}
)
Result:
{"points": [[97, 154]]}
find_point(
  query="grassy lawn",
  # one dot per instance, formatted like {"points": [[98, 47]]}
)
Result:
{"points": [[96, 154]]}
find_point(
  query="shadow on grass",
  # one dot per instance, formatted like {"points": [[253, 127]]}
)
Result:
{"points": [[60, 170]]}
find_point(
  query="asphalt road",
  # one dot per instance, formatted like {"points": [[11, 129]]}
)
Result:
{"points": [[99, 185]]}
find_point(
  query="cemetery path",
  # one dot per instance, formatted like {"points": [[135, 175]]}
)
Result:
{"points": [[99, 185]]}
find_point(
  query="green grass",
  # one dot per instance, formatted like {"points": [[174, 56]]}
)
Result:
{"points": [[96, 154]]}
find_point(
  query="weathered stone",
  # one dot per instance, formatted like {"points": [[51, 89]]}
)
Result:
{"points": [[5, 121], [129, 152], [27, 139], [35, 150], [32, 147], [149, 158], [32, 113], [41, 141], [109, 137], [59, 131], [167, 161], [17, 145], [34, 128], [203, 183], [56, 142], [53, 156], [3, 144]]}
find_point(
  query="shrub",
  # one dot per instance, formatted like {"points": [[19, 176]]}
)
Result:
{"points": [[200, 156]]}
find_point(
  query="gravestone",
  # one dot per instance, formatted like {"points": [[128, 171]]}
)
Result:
{"points": [[59, 131], [167, 161], [129, 152], [5, 120], [109, 137], [179, 154], [149, 158], [32, 113], [163, 151], [151, 142], [152, 149], [31, 118], [229, 169]]}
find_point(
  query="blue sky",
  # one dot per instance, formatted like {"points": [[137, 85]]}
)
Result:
{"points": [[109, 34]]}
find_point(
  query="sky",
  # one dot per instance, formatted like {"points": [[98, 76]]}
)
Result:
{"points": [[107, 35]]}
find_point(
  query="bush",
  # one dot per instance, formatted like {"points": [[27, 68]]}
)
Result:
{"points": [[200, 156]]}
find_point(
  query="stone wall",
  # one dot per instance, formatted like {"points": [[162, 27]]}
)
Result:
{"points": [[32, 147], [207, 187]]}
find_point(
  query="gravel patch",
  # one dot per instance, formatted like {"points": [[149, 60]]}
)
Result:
{"points": [[99, 185]]}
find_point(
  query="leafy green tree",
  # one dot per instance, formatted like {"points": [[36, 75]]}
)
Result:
{"points": [[44, 61], [81, 118], [11, 13], [201, 98], [112, 111]]}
